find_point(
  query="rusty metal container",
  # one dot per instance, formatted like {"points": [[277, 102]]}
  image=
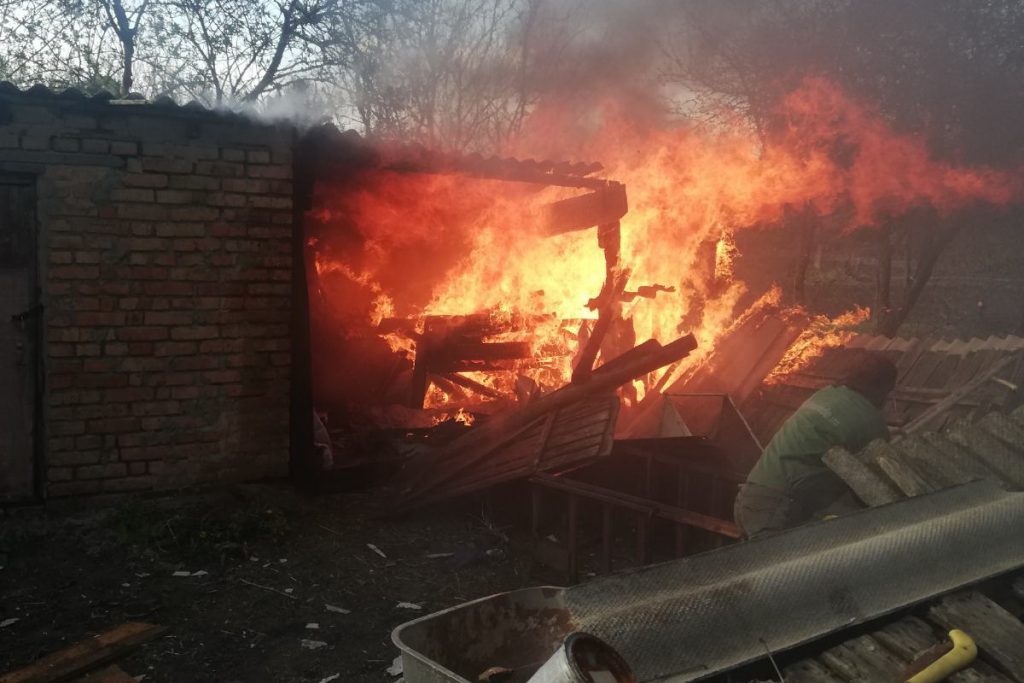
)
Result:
{"points": [[517, 630]]}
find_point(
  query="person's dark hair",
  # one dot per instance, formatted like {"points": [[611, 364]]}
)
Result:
{"points": [[872, 375]]}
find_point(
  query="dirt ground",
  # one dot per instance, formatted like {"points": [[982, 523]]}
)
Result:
{"points": [[264, 562]]}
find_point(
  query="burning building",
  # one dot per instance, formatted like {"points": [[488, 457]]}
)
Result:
{"points": [[190, 283]]}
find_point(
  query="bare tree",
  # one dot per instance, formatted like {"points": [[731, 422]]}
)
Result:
{"points": [[124, 22], [926, 64]]}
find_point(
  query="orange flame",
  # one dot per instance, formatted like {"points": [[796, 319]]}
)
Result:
{"points": [[444, 245]]}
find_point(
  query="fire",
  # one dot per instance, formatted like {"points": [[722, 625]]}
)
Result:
{"points": [[821, 334], [417, 245]]}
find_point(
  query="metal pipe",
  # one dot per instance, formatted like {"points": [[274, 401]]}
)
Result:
{"points": [[583, 658]]}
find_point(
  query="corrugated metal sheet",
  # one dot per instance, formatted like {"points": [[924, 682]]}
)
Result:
{"points": [[929, 370], [992, 448], [693, 618]]}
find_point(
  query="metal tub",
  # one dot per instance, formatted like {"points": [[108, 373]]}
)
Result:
{"points": [[518, 630]]}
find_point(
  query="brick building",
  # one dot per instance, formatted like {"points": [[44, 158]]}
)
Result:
{"points": [[149, 275]]}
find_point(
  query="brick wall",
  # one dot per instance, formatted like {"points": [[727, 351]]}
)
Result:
{"points": [[166, 272]]}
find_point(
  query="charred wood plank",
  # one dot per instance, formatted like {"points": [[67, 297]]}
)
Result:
{"points": [[638, 504], [997, 632], [472, 385], [601, 207], [87, 655]]}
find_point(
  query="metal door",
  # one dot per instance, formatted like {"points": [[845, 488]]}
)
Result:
{"points": [[19, 324]]}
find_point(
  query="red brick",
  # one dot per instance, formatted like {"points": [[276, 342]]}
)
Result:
{"points": [[185, 392], [195, 332], [72, 488], [169, 318], [222, 376], [221, 346], [128, 485], [115, 425], [181, 230], [145, 333], [174, 196], [104, 319], [219, 168], [66, 427], [99, 365], [195, 182], [89, 441], [203, 362], [89, 350], [59, 474], [136, 468], [132, 194], [74, 272], [175, 348], [169, 288], [106, 381], [73, 458], [156, 408], [124, 148], [106, 471], [128, 394], [165, 165], [194, 213], [153, 180]]}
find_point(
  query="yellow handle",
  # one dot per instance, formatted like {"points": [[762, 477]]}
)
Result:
{"points": [[961, 656]]}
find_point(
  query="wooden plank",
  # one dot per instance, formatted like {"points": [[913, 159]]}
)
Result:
{"points": [[933, 414], [1006, 430], [809, 671], [907, 638], [998, 634], [862, 659], [999, 457], [872, 488], [943, 470], [959, 456], [87, 655], [638, 504], [109, 674]]}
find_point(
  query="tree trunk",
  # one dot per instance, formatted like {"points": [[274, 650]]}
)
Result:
{"points": [[926, 263], [807, 229], [883, 280], [127, 76]]}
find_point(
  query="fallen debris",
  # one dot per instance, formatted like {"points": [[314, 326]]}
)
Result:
{"points": [[336, 610], [376, 550], [88, 655], [396, 666], [7, 622], [408, 605], [312, 644], [568, 426], [286, 593]]}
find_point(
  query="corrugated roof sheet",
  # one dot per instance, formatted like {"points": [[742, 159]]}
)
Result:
{"points": [[991, 447], [929, 371], [161, 103], [329, 139]]}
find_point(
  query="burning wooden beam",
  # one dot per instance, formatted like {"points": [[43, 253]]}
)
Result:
{"points": [[555, 429]]}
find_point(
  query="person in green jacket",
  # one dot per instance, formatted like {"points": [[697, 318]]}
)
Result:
{"points": [[790, 484]]}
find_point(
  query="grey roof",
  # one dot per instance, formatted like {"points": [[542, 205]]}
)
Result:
{"points": [[929, 371], [163, 104]]}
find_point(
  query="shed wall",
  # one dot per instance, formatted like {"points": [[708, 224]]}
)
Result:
{"points": [[166, 275]]}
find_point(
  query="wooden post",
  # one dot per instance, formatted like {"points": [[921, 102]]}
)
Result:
{"points": [[572, 541], [682, 494], [606, 538]]}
